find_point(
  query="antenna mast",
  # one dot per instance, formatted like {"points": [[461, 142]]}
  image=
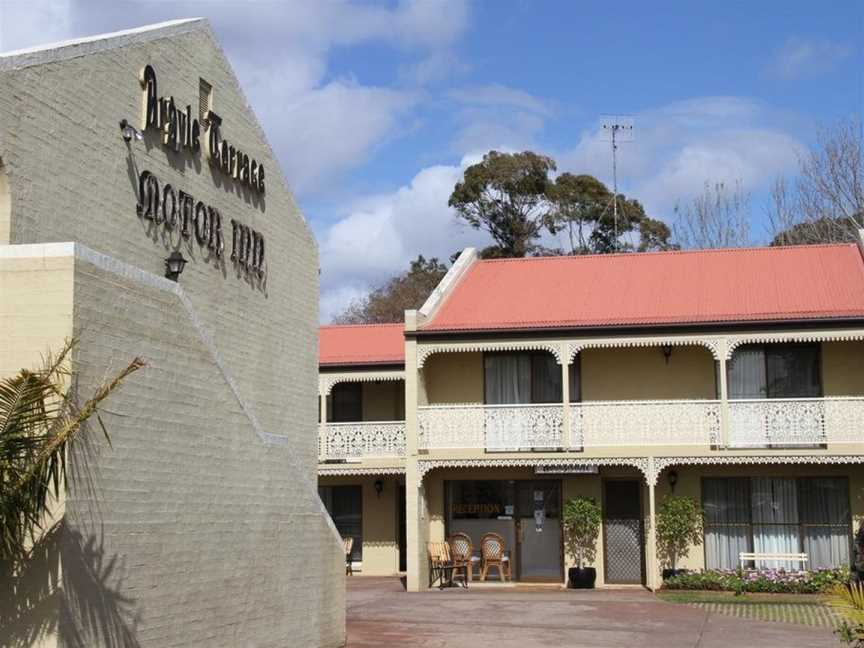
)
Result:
{"points": [[618, 128]]}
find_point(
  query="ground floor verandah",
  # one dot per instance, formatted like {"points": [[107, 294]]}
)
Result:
{"points": [[380, 614], [766, 507]]}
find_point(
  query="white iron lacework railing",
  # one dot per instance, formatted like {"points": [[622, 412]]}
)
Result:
{"points": [[493, 427], [362, 440], [645, 423], [795, 421]]}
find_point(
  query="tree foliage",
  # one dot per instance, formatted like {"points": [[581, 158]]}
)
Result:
{"points": [[38, 419], [825, 203], [506, 194], [582, 518], [719, 217], [388, 302], [679, 526]]}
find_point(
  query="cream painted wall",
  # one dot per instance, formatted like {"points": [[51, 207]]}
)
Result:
{"points": [[35, 309], [36, 302], [643, 374], [384, 400], [380, 519], [843, 368], [454, 378], [607, 374]]}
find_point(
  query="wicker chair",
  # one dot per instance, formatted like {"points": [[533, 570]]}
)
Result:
{"points": [[462, 553], [348, 545], [493, 554], [440, 564]]}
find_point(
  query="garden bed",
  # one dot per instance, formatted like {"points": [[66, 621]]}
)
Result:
{"points": [[769, 581]]}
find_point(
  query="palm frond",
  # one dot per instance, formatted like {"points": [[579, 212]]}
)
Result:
{"points": [[38, 419]]}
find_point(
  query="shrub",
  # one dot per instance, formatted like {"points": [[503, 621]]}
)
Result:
{"points": [[776, 581], [582, 518], [679, 526]]}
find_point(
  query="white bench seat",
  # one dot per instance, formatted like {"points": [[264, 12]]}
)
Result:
{"points": [[756, 556]]}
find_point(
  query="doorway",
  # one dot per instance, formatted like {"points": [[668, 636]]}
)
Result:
{"points": [[623, 554], [525, 513], [400, 521]]}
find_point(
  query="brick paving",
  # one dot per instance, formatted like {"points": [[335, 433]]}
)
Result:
{"points": [[382, 615]]}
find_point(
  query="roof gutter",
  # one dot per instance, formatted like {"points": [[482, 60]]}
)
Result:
{"points": [[588, 330]]}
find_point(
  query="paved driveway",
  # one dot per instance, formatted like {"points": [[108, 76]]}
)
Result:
{"points": [[382, 615]]}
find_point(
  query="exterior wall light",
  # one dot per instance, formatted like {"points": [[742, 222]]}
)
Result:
{"points": [[379, 487], [673, 479], [667, 352], [129, 132], [174, 265]]}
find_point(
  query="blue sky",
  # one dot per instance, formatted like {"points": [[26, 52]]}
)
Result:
{"points": [[374, 109]]}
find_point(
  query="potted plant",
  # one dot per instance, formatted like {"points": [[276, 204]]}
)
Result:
{"points": [[581, 519], [679, 527]]}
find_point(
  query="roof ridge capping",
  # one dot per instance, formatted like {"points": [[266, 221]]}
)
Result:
{"points": [[635, 255], [367, 325], [77, 47], [455, 273]]}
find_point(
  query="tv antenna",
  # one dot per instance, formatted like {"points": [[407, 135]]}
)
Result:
{"points": [[617, 129]]}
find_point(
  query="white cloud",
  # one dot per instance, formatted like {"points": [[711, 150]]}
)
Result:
{"points": [[379, 235], [498, 117], [319, 127], [800, 57], [24, 24], [680, 146]]}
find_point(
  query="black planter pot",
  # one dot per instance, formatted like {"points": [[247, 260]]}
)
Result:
{"points": [[581, 577], [670, 573]]}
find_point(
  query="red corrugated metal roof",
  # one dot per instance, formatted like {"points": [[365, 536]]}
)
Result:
{"points": [[362, 344], [660, 288]]}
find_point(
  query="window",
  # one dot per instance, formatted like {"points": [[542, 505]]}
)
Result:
{"points": [[776, 515], [347, 402], [775, 371], [345, 506], [522, 378], [205, 100]]}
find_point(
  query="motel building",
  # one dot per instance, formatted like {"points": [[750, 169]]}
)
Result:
{"points": [[143, 213], [732, 376]]}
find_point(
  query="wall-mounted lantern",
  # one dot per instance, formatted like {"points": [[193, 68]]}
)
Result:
{"points": [[673, 479], [667, 352], [174, 265], [379, 487], [130, 132]]}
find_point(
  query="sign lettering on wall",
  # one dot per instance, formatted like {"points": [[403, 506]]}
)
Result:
{"points": [[180, 130], [175, 209]]}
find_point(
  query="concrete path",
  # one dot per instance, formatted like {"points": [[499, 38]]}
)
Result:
{"points": [[382, 615]]}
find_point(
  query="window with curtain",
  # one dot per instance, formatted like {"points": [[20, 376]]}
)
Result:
{"points": [[345, 506], [824, 508], [776, 515], [347, 402], [523, 378], [775, 371]]}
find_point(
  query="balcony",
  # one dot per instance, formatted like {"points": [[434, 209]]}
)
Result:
{"points": [[796, 422], [361, 440], [595, 425], [496, 428]]}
